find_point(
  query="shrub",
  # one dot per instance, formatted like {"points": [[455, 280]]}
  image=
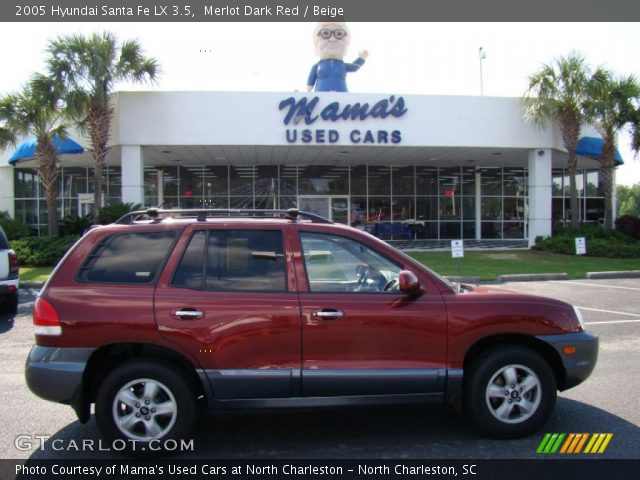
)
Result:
{"points": [[13, 229], [111, 213], [72, 225], [629, 225], [42, 251], [601, 242]]}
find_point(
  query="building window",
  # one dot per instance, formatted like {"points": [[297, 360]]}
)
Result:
{"points": [[590, 197], [323, 180], [502, 202]]}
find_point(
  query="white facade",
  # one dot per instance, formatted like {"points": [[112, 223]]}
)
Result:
{"points": [[164, 129]]}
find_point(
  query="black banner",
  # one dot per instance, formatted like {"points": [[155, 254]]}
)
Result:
{"points": [[578, 469], [298, 11]]}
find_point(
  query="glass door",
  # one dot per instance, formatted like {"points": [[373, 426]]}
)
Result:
{"points": [[315, 205], [340, 210], [334, 208]]}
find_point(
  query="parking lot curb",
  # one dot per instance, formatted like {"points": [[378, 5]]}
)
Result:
{"points": [[29, 285], [463, 279], [532, 277], [619, 274]]}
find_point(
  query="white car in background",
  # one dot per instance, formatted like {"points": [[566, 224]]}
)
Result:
{"points": [[9, 281]]}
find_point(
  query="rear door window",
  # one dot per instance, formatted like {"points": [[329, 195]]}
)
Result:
{"points": [[135, 258], [233, 260]]}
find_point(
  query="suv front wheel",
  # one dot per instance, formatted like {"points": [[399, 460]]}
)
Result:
{"points": [[510, 392], [143, 401]]}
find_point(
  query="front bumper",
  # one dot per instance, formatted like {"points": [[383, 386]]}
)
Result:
{"points": [[54, 373], [579, 365]]}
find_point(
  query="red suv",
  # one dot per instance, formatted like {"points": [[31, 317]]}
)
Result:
{"points": [[166, 311]]}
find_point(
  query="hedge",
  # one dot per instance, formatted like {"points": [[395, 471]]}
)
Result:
{"points": [[600, 243], [42, 251]]}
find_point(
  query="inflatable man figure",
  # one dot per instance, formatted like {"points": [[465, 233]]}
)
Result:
{"points": [[330, 73]]}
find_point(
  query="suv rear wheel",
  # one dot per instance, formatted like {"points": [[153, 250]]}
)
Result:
{"points": [[143, 401], [510, 393]]}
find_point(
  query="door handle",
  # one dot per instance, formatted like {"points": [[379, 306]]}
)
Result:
{"points": [[188, 314], [328, 314]]}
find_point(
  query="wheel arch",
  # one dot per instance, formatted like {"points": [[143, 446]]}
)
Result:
{"points": [[110, 356], [495, 341]]}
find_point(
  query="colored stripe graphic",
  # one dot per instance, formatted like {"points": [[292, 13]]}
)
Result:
{"points": [[543, 443], [604, 445], [550, 443], [566, 445], [598, 443], [573, 443]]}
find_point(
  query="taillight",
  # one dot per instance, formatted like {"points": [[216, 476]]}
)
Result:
{"points": [[13, 262], [45, 319]]}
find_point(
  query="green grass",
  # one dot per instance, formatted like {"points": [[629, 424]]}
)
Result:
{"points": [[488, 265], [37, 274]]}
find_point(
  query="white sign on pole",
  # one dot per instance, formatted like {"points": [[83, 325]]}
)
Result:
{"points": [[457, 249], [581, 246]]}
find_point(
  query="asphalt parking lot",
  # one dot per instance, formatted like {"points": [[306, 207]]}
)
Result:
{"points": [[607, 402]]}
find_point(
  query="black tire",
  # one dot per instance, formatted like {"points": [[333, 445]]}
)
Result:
{"points": [[145, 422], [10, 304], [509, 392]]}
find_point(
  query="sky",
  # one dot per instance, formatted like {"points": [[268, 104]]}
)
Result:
{"points": [[404, 58]]}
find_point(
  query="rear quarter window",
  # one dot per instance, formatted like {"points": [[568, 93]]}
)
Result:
{"points": [[128, 258]]}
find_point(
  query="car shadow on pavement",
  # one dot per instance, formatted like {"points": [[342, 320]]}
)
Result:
{"points": [[6, 322], [411, 432]]}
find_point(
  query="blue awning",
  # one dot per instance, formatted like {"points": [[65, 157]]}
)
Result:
{"points": [[27, 149], [592, 147]]}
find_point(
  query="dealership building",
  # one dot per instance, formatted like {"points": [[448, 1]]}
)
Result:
{"points": [[420, 170]]}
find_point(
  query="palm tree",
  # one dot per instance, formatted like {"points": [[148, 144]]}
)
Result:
{"points": [[88, 68], [612, 106], [34, 112], [557, 93]]}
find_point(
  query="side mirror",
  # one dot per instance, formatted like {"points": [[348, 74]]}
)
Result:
{"points": [[408, 283]]}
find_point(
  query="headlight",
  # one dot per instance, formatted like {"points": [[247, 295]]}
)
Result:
{"points": [[579, 317]]}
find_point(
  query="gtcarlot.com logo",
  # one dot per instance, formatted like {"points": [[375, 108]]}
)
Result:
{"points": [[574, 443]]}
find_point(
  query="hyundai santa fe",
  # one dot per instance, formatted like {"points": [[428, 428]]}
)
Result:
{"points": [[168, 311]]}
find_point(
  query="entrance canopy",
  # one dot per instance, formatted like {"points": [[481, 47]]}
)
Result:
{"points": [[592, 147], [27, 149]]}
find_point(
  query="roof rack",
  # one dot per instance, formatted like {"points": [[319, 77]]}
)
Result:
{"points": [[157, 214]]}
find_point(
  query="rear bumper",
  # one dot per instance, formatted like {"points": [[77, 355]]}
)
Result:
{"points": [[9, 285], [579, 365], [54, 373]]}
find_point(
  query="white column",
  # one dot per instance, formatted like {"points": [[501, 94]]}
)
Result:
{"points": [[132, 164], [540, 183], [7, 200]]}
